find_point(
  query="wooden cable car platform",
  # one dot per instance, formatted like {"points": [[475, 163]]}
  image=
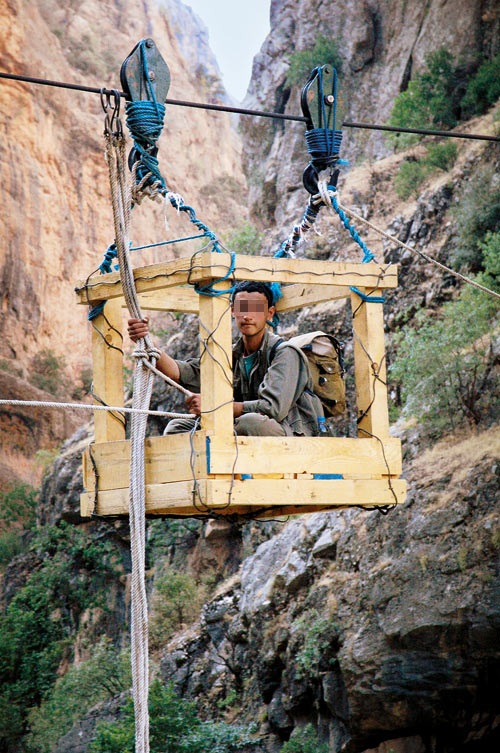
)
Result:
{"points": [[211, 471]]}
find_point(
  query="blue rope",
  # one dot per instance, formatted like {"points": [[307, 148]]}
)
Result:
{"points": [[367, 298], [368, 255], [105, 266], [209, 290], [145, 123]]}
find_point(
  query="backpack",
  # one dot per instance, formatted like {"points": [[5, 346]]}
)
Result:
{"points": [[325, 356]]}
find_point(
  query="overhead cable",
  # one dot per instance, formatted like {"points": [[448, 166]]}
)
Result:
{"points": [[246, 111]]}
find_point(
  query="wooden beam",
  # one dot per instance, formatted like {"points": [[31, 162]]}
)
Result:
{"points": [[344, 455], [182, 299], [172, 458], [277, 495], [210, 265], [370, 366], [297, 296], [216, 366], [107, 360], [176, 457]]}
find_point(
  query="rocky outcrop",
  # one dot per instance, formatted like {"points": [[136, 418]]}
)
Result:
{"points": [[378, 628], [381, 45]]}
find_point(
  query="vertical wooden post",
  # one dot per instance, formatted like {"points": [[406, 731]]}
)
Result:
{"points": [[216, 367], [370, 368], [107, 357]]}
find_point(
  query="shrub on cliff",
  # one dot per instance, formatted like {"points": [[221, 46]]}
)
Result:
{"points": [[174, 727], [324, 52], [37, 628], [446, 366]]}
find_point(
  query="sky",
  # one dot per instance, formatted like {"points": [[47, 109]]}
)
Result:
{"points": [[237, 29]]}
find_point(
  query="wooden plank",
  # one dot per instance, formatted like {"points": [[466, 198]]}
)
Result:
{"points": [[216, 366], [370, 366], [297, 296], [169, 458], [107, 359], [175, 498], [210, 265], [166, 459], [274, 493], [151, 277], [308, 455], [280, 497], [183, 299]]}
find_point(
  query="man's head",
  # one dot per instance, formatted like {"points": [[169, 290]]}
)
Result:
{"points": [[253, 307]]}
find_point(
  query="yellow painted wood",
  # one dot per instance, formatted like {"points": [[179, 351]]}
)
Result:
{"points": [[107, 359], [278, 495], [214, 266], [297, 296], [184, 299], [308, 455], [166, 459], [370, 367], [216, 367], [171, 458]]}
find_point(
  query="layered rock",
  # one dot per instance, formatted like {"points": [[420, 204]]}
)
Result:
{"points": [[381, 45]]}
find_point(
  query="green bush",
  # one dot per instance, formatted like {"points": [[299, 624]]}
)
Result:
{"points": [[430, 101], [484, 88], [17, 514], [174, 727], [246, 240], [477, 213], [177, 601], [319, 636], [490, 249], [39, 623], [304, 740], [413, 172], [47, 372], [105, 674], [409, 178], [324, 52], [445, 365], [442, 156]]}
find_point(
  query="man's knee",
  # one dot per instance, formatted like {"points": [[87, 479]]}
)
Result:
{"points": [[179, 425], [256, 424]]}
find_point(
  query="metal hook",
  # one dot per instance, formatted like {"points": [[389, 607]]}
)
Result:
{"points": [[112, 123]]}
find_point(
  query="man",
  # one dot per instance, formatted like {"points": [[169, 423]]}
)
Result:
{"points": [[272, 395]]}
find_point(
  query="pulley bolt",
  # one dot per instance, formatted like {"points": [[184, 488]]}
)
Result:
{"points": [[152, 76], [329, 99], [150, 43]]}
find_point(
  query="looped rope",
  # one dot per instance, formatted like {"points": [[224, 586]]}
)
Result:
{"points": [[151, 353]]}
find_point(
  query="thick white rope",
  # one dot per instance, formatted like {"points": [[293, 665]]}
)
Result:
{"points": [[326, 195], [143, 386], [84, 406]]}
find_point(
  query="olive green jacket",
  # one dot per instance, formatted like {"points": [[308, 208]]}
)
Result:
{"points": [[280, 390]]}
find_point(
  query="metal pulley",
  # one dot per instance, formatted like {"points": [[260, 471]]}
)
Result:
{"points": [[321, 106]]}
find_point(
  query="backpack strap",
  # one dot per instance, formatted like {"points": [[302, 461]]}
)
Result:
{"points": [[273, 350]]}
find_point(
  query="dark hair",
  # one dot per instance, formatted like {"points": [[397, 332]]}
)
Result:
{"points": [[249, 286]]}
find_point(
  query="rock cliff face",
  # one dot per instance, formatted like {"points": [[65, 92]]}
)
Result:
{"points": [[56, 218], [375, 628], [381, 43]]}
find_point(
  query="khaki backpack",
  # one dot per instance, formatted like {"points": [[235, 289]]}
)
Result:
{"points": [[325, 356]]}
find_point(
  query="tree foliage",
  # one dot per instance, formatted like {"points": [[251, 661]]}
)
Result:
{"points": [[324, 52], [174, 727], [446, 366], [38, 625]]}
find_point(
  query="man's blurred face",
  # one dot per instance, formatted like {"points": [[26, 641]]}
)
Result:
{"points": [[251, 312]]}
